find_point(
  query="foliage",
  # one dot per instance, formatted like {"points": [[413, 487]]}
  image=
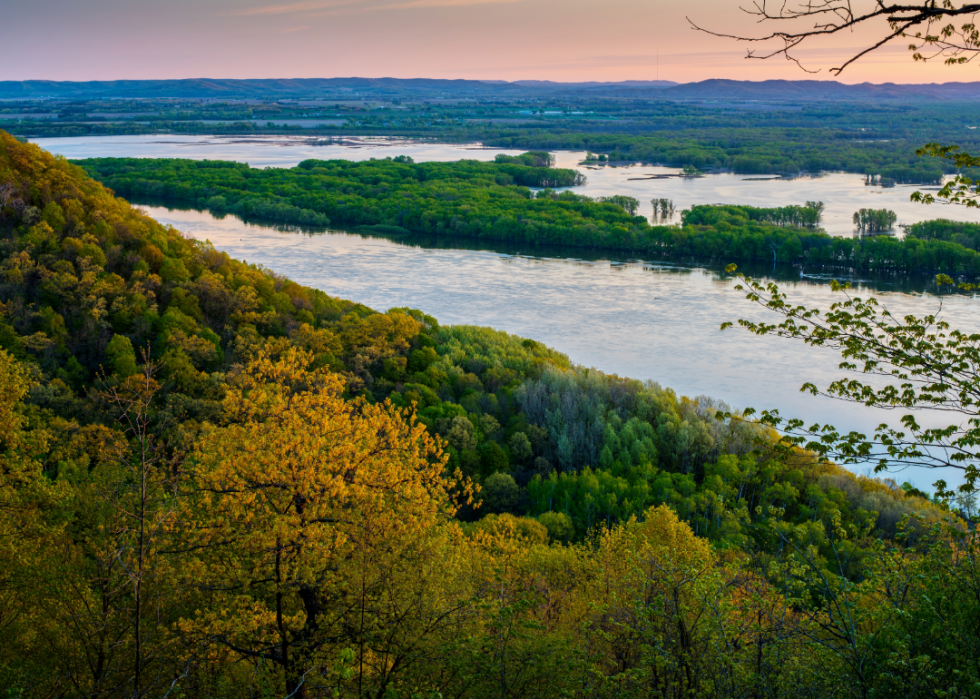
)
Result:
{"points": [[302, 497], [877, 138], [872, 221], [961, 189], [766, 144], [628, 204], [928, 366], [490, 201], [217, 483], [965, 234], [737, 233], [424, 197]]}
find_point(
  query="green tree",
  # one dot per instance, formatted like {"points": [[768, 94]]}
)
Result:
{"points": [[926, 366], [500, 493], [559, 525], [520, 447], [872, 221], [121, 356]]}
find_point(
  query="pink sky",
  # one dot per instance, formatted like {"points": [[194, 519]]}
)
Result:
{"points": [[561, 40]]}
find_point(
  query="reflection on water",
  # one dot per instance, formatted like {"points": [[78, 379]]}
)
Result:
{"points": [[843, 194], [260, 151], [639, 319], [913, 284], [644, 319]]}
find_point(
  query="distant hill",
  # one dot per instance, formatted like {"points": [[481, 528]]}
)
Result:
{"points": [[818, 90], [425, 88], [656, 84], [206, 88]]}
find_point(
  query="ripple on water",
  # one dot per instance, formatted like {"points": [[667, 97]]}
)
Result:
{"points": [[843, 194], [647, 321]]}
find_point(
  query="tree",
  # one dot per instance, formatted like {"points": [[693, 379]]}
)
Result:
{"points": [[520, 447], [559, 525], [873, 221], [122, 356], [299, 505], [653, 599], [928, 366], [959, 190], [28, 533], [144, 496], [628, 204], [936, 366], [500, 493], [929, 27]]}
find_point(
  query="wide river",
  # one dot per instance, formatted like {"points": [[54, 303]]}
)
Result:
{"points": [[634, 318], [843, 194]]}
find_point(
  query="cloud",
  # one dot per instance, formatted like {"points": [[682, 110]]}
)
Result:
{"points": [[404, 5], [291, 8], [319, 8], [411, 4]]}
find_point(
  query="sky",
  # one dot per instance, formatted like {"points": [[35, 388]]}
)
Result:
{"points": [[560, 40]]}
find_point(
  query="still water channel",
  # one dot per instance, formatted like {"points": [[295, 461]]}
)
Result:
{"points": [[642, 319], [843, 194]]}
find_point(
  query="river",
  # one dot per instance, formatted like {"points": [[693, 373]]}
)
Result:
{"points": [[647, 321], [842, 193], [640, 319]]}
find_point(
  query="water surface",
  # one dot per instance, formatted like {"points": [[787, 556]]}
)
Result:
{"points": [[638, 319], [842, 194], [642, 319]]}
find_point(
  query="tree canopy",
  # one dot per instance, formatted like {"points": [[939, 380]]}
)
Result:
{"points": [[487, 201], [216, 482]]}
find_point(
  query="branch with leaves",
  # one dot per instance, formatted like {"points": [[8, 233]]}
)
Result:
{"points": [[961, 189], [928, 366]]}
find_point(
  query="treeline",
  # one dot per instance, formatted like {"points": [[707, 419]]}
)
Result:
{"points": [[877, 140], [965, 234], [806, 216], [745, 151], [51, 128], [754, 150], [728, 233], [460, 198], [493, 201], [213, 484]]}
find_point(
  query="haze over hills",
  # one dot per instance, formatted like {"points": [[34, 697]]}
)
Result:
{"points": [[660, 84], [424, 88], [820, 90], [206, 88]]}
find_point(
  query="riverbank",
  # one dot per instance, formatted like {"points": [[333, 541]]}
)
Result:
{"points": [[492, 201]]}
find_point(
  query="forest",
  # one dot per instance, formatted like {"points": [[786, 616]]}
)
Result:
{"points": [[874, 138], [495, 201], [965, 234], [215, 482]]}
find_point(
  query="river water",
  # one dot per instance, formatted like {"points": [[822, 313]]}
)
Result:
{"points": [[843, 194], [645, 320]]}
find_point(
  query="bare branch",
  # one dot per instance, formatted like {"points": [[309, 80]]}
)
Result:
{"points": [[928, 20]]}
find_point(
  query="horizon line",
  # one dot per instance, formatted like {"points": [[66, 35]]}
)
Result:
{"points": [[492, 81]]}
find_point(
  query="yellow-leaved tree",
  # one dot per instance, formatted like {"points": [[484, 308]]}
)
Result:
{"points": [[305, 513], [30, 526], [658, 580]]}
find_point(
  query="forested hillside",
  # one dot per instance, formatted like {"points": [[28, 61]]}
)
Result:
{"points": [[492, 201], [217, 482]]}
